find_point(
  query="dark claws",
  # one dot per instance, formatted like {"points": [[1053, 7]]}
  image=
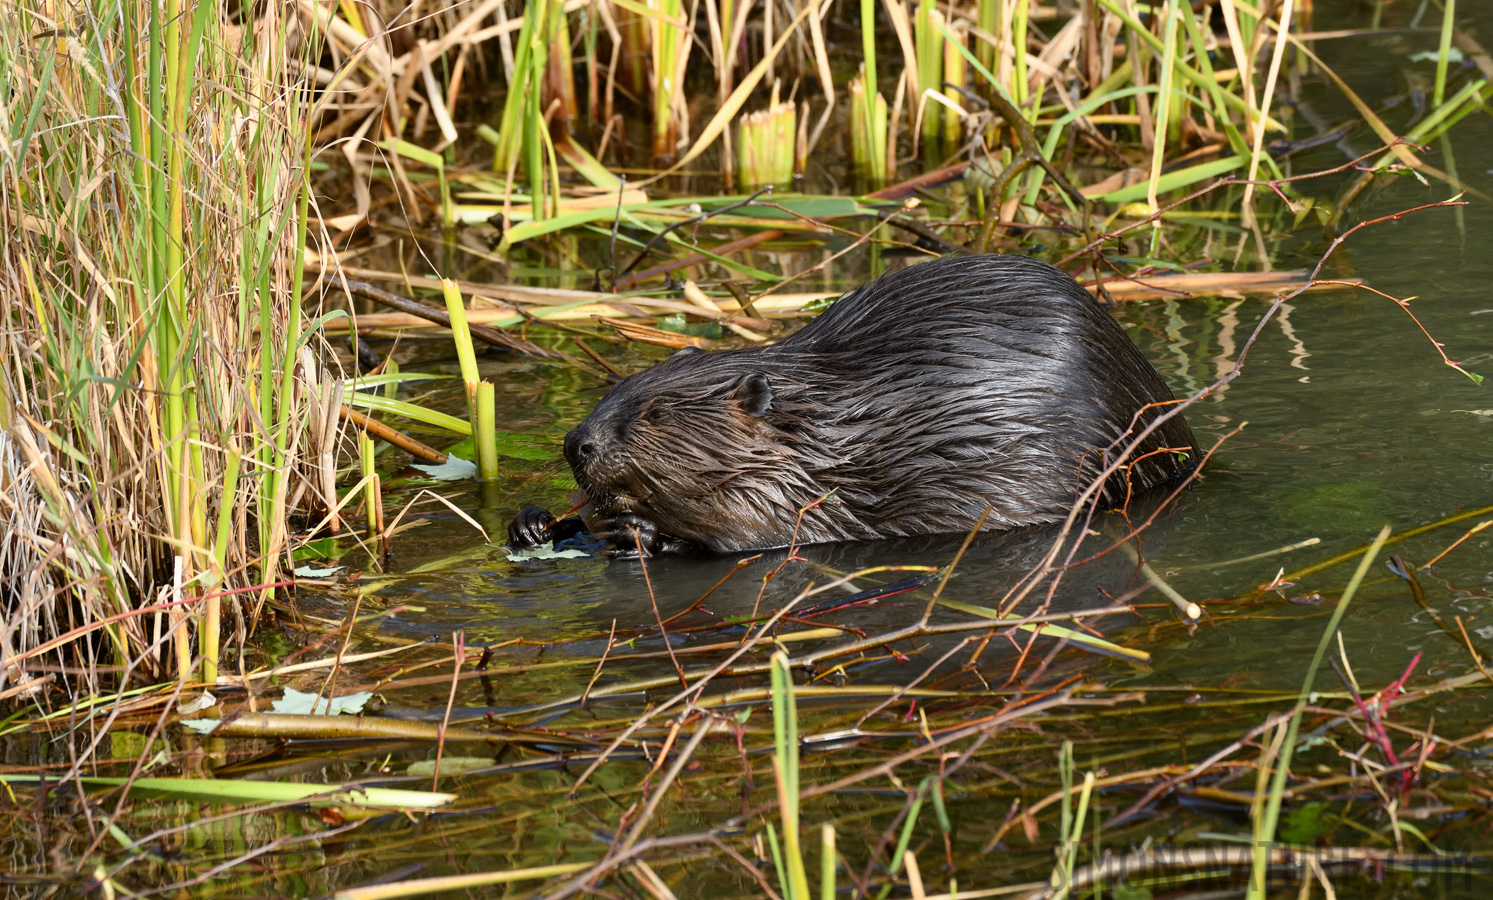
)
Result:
{"points": [[530, 528]]}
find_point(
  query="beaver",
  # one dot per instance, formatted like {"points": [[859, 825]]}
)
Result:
{"points": [[912, 405]]}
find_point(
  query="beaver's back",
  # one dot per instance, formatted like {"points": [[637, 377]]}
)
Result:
{"points": [[1001, 361], [913, 403]]}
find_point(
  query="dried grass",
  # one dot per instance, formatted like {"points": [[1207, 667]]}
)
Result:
{"points": [[148, 201]]}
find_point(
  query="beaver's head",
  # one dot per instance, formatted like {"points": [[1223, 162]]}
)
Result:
{"points": [[667, 439]]}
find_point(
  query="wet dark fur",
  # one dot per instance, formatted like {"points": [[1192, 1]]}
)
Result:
{"points": [[916, 400]]}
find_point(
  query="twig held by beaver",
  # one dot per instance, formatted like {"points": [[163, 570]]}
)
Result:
{"points": [[911, 405]]}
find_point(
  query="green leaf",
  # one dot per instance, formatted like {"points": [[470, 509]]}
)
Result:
{"points": [[368, 382], [407, 410], [321, 548], [212, 790], [414, 151], [316, 325], [1047, 628], [1172, 180], [1304, 825], [812, 207]]}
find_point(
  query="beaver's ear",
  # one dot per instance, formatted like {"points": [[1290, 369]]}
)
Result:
{"points": [[754, 394]]}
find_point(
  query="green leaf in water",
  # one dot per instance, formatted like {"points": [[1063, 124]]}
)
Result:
{"points": [[450, 765], [321, 548], [1305, 824], [213, 790]]}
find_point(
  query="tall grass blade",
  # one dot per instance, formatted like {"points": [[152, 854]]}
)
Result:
{"points": [[1443, 52], [1265, 824], [785, 738]]}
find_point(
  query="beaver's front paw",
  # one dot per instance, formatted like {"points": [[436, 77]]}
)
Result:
{"points": [[530, 528], [632, 536], [533, 526]]}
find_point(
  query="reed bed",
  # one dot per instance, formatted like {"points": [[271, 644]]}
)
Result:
{"points": [[156, 360]]}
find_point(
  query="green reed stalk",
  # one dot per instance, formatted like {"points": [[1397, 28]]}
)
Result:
{"points": [[484, 431], [212, 618], [286, 407], [466, 355], [988, 17], [670, 53], [1216, 92], [634, 30], [1269, 812], [519, 129], [560, 75], [1070, 826], [867, 107], [764, 145], [1020, 86], [954, 77], [185, 475], [904, 837], [791, 876], [373, 499], [1443, 53], [928, 41], [827, 862], [868, 132], [509, 147], [589, 43], [1163, 113]]}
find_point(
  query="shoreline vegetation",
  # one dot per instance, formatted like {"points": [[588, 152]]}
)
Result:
{"points": [[198, 203]]}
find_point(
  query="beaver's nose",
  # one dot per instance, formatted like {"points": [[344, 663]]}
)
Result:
{"points": [[579, 448]]}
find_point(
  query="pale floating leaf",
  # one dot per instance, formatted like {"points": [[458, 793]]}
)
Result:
{"points": [[202, 726], [313, 572], [543, 551], [197, 704], [300, 703], [453, 469], [1453, 55]]}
